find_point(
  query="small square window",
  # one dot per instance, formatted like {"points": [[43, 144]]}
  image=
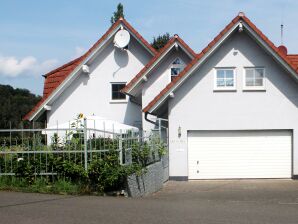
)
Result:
{"points": [[254, 79], [116, 94], [225, 79]]}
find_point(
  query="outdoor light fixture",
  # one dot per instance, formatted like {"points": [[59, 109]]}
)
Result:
{"points": [[179, 132]]}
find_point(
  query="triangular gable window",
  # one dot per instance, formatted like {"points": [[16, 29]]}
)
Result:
{"points": [[176, 67]]}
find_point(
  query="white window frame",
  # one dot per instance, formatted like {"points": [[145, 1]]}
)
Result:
{"points": [[182, 66], [224, 88], [254, 88], [111, 94]]}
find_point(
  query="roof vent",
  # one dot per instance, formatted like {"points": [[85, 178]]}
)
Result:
{"points": [[282, 49], [86, 69], [241, 14]]}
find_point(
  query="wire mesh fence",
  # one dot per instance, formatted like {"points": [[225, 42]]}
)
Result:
{"points": [[42, 148]]}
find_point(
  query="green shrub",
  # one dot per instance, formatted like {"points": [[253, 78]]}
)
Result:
{"points": [[70, 170], [103, 174], [26, 170], [107, 174]]}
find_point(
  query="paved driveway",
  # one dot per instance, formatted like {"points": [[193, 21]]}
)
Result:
{"points": [[262, 201]]}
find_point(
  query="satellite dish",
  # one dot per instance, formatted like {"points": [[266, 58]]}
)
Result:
{"points": [[122, 38]]}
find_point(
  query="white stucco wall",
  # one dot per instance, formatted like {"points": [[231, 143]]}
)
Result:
{"points": [[197, 106], [91, 94], [158, 79]]}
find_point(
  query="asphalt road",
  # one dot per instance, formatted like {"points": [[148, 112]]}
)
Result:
{"points": [[253, 201]]}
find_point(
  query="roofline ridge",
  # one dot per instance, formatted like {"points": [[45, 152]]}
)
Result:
{"points": [[209, 46], [87, 54], [173, 39]]}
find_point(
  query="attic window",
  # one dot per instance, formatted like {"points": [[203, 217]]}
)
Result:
{"points": [[176, 67], [116, 94], [225, 79], [254, 79]]}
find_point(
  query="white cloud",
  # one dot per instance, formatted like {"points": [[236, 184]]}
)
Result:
{"points": [[13, 67]]}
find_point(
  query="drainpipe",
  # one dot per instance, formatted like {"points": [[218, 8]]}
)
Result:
{"points": [[146, 118]]}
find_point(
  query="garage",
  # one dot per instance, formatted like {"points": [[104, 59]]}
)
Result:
{"points": [[239, 154]]}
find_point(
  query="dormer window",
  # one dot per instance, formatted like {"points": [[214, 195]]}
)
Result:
{"points": [[176, 67]]}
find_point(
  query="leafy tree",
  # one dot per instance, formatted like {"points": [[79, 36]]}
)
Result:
{"points": [[118, 13], [15, 103], [160, 41]]}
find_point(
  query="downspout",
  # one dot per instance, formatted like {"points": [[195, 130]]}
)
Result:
{"points": [[146, 118]]}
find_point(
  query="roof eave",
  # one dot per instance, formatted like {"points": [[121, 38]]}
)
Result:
{"points": [[191, 55], [197, 64], [88, 58], [138, 82], [273, 53], [278, 57], [71, 75]]}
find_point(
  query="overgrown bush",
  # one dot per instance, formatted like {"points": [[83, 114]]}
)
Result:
{"points": [[26, 170], [70, 170], [148, 152], [107, 174]]}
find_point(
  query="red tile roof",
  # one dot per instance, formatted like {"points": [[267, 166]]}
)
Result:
{"points": [[294, 60], [155, 58], [54, 78], [291, 60]]}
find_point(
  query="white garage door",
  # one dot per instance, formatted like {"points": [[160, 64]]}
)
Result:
{"points": [[239, 154]]}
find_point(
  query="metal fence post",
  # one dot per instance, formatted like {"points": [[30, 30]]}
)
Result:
{"points": [[159, 128], [120, 148], [85, 144]]}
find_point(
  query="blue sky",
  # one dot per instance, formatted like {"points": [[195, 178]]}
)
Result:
{"points": [[37, 36]]}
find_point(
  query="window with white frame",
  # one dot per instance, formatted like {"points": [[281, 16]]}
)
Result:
{"points": [[176, 67], [224, 79], [254, 78], [116, 95]]}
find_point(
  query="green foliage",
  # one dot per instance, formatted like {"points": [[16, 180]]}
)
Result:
{"points": [[118, 13], [141, 154], [26, 170], [160, 41], [41, 185], [55, 142], [70, 170], [15, 104], [160, 146], [148, 152], [11, 182], [107, 174], [67, 187], [103, 143]]}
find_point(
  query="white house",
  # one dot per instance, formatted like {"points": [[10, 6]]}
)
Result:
{"points": [[232, 109], [91, 84]]}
